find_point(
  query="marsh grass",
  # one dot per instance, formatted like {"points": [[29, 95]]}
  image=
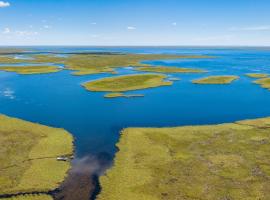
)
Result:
{"points": [[216, 80], [28, 156], [226, 161], [257, 75], [162, 69], [119, 94], [264, 82], [31, 69], [127, 83], [30, 197]]}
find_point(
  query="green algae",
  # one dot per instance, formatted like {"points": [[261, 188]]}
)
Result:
{"points": [[127, 83], [28, 156], [216, 80], [216, 162]]}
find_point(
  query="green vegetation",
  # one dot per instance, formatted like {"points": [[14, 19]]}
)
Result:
{"points": [[264, 82], [100, 63], [216, 80], [28, 156], [128, 82], [217, 162], [119, 94], [161, 69], [31, 69], [30, 197], [257, 75]]}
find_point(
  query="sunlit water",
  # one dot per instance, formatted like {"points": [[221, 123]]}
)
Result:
{"points": [[59, 100]]}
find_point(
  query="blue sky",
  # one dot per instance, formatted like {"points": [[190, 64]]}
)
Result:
{"points": [[135, 22]]}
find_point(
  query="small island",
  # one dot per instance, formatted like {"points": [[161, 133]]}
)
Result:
{"points": [[163, 69], [225, 161], [257, 75], [119, 94], [31, 69], [216, 80], [265, 83], [34, 158], [127, 83]]}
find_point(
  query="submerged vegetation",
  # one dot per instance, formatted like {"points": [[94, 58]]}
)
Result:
{"points": [[226, 161], [127, 83], [216, 80], [29, 157], [264, 82], [162, 69], [31, 69], [257, 75]]}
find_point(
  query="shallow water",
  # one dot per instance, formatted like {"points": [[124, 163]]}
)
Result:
{"points": [[59, 100]]}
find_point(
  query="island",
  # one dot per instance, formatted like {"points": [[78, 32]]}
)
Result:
{"points": [[163, 69], [31, 69], [264, 82], [225, 161], [127, 83], [119, 94], [34, 159], [257, 75], [216, 80]]}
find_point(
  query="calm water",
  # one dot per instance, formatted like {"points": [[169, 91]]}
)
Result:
{"points": [[59, 100]]}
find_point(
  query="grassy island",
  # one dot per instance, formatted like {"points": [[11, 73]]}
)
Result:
{"points": [[31, 69], [29, 157], [264, 82], [127, 83], [162, 69], [119, 94], [226, 161], [216, 80], [257, 75]]}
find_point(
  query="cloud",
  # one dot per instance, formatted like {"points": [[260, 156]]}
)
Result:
{"points": [[131, 28], [251, 28], [6, 31], [94, 23], [26, 33], [47, 27], [174, 23], [4, 4]]}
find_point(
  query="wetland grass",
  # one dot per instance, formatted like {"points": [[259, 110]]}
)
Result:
{"points": [[216, 80]]}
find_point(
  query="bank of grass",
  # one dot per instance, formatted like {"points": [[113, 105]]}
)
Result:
{"points": [[31, 69], [119, 94], [226, 161], [28, 156], [100, 63], [264, 82], [216, 80], [163, 69], [30, 197], [127, 83], [257, 75]]}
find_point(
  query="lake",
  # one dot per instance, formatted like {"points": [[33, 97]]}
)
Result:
{"points": [[59, 100]]}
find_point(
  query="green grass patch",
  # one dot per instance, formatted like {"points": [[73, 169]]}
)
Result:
{"points": [[119, 94], [128, 82], [216, 80], [264, 82], [31, 69], [226, 161], [28, 156], [257, 75], [162, 69]]}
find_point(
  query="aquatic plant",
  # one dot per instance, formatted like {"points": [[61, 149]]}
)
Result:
{"points": [[225, 161], [216, 80], [127, 82], [31, 69]]}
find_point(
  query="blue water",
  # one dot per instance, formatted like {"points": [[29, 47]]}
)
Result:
{"points": [[59, 100]]}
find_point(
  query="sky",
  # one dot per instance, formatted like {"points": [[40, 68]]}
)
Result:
{"points": [[135, 22]]}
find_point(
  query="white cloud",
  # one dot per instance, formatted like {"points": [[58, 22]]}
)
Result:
{"points": [[131, 28], [174, 23], [251, 28], [26, 33], [4, 4], [6, 31], [94, 23], [47, 27]]}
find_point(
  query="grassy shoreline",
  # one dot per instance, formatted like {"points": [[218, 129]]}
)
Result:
{"points": [[224, 79]]}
